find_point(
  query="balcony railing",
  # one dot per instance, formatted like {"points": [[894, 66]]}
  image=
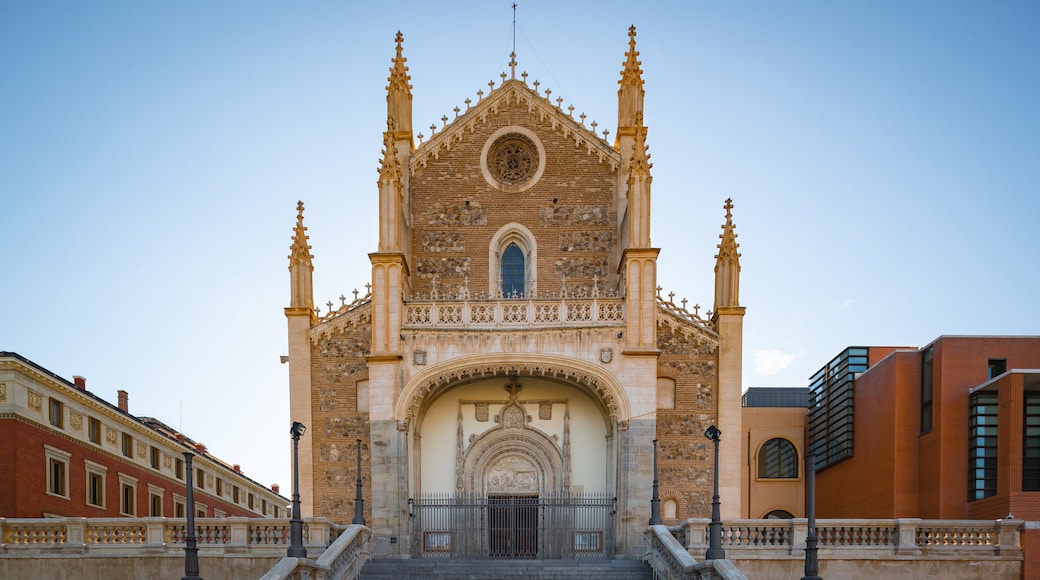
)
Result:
{"points": [[514, 313]]}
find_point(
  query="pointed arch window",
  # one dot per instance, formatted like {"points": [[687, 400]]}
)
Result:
{"points": [[513, 271], [778, 459], [512, 262]]}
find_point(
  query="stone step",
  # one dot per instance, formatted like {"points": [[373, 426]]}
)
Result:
{"points": [[381, 569]]}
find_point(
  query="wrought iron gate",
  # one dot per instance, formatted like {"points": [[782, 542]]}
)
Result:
{"points": [[513, 526]]}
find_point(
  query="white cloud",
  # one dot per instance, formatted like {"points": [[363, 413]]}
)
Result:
{"points": [[770, 362], [847, 304]]}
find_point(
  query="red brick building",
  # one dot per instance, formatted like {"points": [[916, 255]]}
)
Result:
{"points": [[67, 452], [947, 431]]}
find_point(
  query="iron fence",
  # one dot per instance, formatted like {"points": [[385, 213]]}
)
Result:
{"points": [[565, 526]]}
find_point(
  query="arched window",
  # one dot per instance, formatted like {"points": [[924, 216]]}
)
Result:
{"points": [[777, 459], [779, 515], [512, 271]]}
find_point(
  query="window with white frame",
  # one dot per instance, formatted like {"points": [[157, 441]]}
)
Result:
{"points": [[127, 495], [57, 471], [156, 496], [95, 483]]}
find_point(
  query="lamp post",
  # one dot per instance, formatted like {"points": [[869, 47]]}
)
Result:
{"points": [[296, 549], [191, 549], [812, 565], [715, 551], [359, 501], [655, 500]]}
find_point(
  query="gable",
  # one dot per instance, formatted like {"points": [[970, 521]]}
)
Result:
{"points": [[515, 163]]}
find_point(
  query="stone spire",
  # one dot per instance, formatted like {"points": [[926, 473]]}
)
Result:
{"points": [[630, 95], [727, 265], [399, 94], [639, 180], [301, 267], [391, 194]]}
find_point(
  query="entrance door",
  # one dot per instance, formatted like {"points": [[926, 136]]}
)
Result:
{"points": [[513, 526]]}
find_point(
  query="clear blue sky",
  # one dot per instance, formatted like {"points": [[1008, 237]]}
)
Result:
{"points": [[883, 158]]}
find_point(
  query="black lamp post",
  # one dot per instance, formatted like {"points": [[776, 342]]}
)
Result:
{"points": [[655, 500], [715, 551], [191, 549], [812, 565], [296, 549], [359, 501]]}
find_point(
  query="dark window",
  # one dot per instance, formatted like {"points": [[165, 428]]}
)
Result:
{"points": [[155, 457], [200, 478], [982, 447], [57, 472], [1031, 443], [128, 445], [997, 367], [831, 406], [178, 509], [778, 459], [178, 468], [512, 271], [250, 501], [779, 515], [234, 493], [94, 430], [926, 390], [95, 489], [128, 493], [220, 487], [155, 505], [200, 513]]}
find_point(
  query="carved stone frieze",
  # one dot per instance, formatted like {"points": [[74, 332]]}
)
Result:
{"points": [[3, 391], [75, 421], [505, 369], [142, 450], [111, 436], [35, 401], [167, 461]]}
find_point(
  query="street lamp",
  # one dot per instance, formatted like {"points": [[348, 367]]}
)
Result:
{"points": [[812, 564], [655, 499], [359, 501], [296, 549], [191, 548], [715, 551]]}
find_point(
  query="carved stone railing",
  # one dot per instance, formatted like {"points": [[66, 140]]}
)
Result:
{"points": [[671, 561], [342, 560], [840, 537], [514, 313], [266, 536]]}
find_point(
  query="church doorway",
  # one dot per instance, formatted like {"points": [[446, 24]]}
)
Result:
{"points": [[513, 526]]}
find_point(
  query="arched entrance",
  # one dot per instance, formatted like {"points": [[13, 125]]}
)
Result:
{"points": [[512, 466]]}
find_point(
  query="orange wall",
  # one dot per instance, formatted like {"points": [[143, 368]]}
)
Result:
{"points": [[898, 472]]}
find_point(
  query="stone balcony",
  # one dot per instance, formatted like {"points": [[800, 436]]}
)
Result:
{"points": [[513, 313]]}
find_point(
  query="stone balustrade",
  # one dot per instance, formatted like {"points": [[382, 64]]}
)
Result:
{"points": [[265, 536], [905, 536], [342, 560], [514, 313]]}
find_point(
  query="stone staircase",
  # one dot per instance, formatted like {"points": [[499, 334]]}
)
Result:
{"points": [[500, 569]]}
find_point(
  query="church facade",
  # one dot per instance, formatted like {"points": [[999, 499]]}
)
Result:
{"points": [[513, 366]]}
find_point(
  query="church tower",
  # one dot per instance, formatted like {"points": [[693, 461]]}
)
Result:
{"points": [[513, 349]]}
